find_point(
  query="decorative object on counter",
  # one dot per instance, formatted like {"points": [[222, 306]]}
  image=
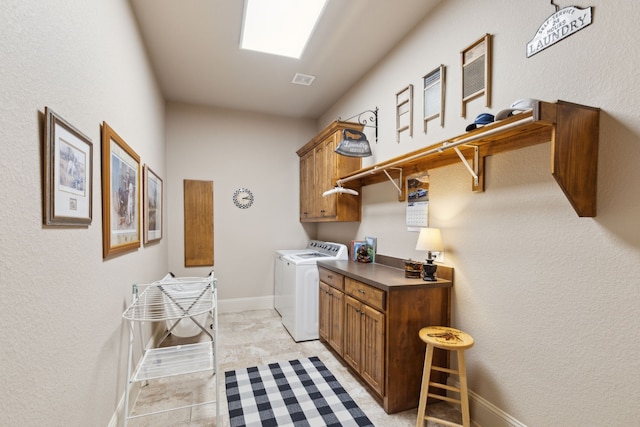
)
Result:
{"points": [[360, 251], [404, 111], [412, 269], [559, 26], [430, 240], [353, 144], [433, 93], [68, 172], [120, 195], [372, 247], [476, 72]]}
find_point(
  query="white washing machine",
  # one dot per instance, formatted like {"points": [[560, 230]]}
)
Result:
{"points": [[279, 298], [297, 287]]}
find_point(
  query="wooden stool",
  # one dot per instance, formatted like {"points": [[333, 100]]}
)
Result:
{"points": [[452, 340]]}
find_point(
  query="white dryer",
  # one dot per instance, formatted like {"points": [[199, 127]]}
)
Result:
{"points": [[297, 287]]}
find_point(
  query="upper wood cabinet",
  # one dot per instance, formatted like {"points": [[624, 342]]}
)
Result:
{"points": [[320, 167]]}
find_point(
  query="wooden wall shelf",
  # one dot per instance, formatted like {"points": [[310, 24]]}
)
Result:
{"points": [[572, 129]]}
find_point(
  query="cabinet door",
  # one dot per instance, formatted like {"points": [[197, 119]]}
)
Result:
{"points": [[325, 178], [352, 330], [307, 184], [324, 312], [337, 320], [372, 347]]}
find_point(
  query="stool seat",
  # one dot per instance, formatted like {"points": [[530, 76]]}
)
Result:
{"points": [[446, 338]]}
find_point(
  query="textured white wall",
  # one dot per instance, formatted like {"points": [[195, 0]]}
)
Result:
{"points": [[235, 149], [551, 299], [556, 333], [63, 352]]}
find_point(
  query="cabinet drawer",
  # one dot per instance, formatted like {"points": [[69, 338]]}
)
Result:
{"points": [[365, 293], [331, 278]]}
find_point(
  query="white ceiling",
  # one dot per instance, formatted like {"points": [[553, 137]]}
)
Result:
{"points": [[194, 50]]}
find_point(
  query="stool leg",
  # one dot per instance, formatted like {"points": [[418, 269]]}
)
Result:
{"points": [[464, 395], [424, 390]]}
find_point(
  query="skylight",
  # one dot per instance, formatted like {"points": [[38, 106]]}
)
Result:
{"points": [[279, 27]]}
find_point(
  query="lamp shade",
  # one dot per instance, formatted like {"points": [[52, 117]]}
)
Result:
{"points": [[430, 240]]}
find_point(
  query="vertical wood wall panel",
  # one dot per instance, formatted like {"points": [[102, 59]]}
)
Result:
{"points": [[198, 223]]}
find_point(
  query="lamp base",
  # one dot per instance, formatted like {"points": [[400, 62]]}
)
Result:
{"points": [[428, 271]]}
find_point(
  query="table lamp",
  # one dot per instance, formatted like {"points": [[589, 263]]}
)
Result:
{"points": [[430, 241]]}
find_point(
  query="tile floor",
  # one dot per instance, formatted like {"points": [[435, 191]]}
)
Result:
{"points": [[249, 339]]}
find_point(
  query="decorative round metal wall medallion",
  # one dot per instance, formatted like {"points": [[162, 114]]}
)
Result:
{"points": [[243, 198]]}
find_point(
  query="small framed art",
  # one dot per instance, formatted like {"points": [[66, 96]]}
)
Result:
{"points": [[68, 171], [152, 190], [120, 195]]}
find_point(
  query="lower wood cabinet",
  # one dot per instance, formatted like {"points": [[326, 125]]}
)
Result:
{"points": [[331, 316], [364, 330], [373, 327], [331, 310]]}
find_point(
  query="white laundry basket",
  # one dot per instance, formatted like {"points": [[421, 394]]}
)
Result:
{"points": [[181, 289]]}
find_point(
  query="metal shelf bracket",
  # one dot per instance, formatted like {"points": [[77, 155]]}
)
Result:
{"points": [[472, 170], [393, 182]]}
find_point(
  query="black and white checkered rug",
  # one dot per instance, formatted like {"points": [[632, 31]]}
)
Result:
{"points": [[297, 393]]}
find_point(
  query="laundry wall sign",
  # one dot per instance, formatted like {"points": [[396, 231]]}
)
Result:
{"points": [[558, 26]]}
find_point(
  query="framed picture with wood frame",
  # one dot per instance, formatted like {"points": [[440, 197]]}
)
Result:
{"points": [[67, 173], [152, 204], [120, 195]]}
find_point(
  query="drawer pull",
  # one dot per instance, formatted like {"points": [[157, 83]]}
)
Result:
{"points": [[361, 291]]}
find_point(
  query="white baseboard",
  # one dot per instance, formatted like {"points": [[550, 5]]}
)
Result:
{"points": [[485, 413], [118, 416], [235, 305]]}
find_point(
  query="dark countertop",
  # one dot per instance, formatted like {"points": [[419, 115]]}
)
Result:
{"points": [[379, 276]]}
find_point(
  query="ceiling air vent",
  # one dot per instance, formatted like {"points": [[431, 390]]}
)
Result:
{"points": [[303, 79]]}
